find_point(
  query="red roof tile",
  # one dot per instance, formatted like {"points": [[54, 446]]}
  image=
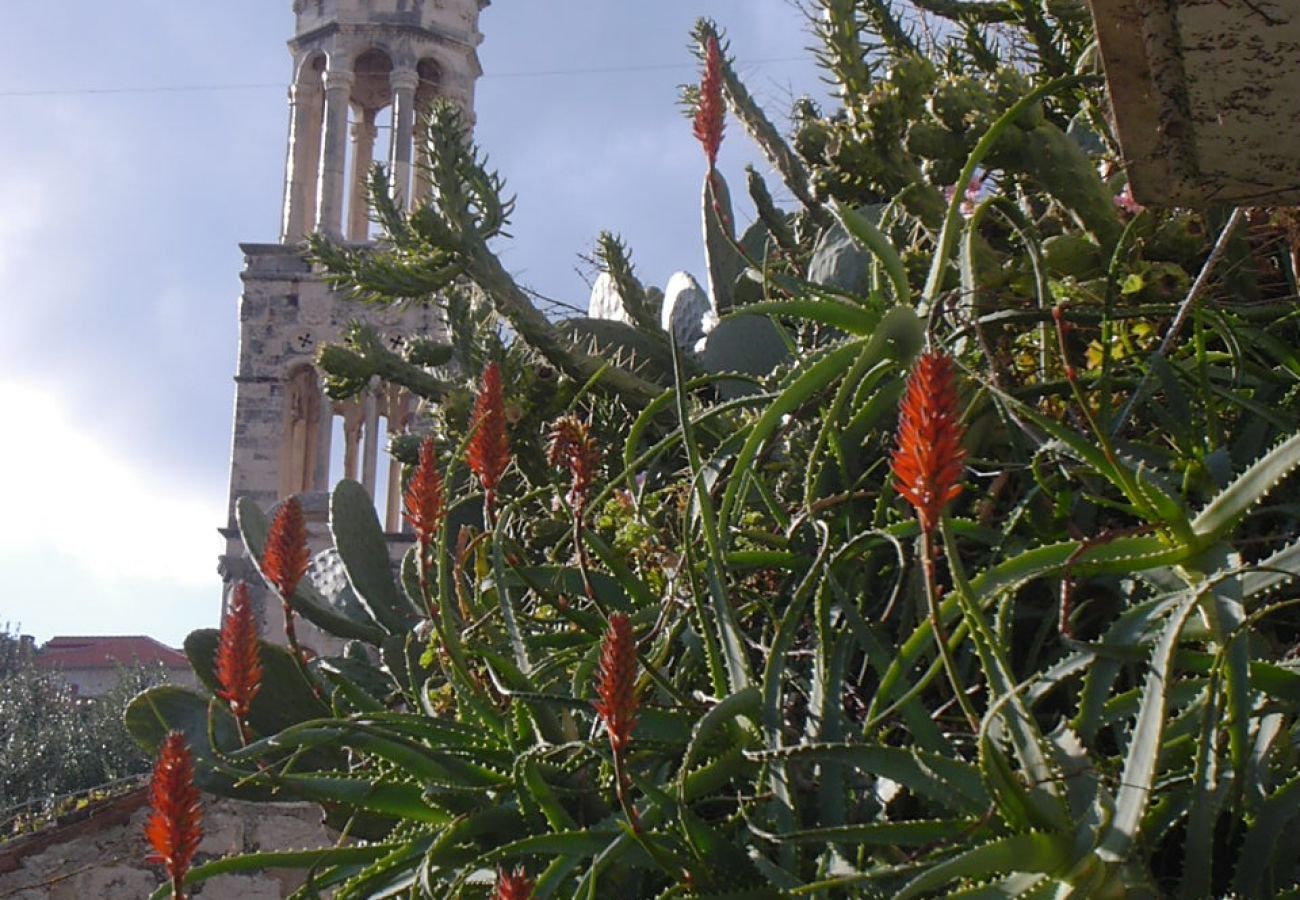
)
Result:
{"points": [[107, 652]]}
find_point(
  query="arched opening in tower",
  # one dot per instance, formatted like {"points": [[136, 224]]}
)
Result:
{"points": [[371, 116]]}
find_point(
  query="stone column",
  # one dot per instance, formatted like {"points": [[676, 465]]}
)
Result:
{"points": [[404, 83], [370, 438], [324, 440], [352, 413], [399, 416], [338, 89], [290, 222], [363, 154]]}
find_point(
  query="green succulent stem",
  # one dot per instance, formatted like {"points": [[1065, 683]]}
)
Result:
{"points": [[932, 600]]}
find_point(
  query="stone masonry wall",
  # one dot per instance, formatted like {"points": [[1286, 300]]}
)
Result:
{"points": [[103, 854]]}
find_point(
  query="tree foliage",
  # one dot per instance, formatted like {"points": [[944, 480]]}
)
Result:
{"points": [[53, 743]]}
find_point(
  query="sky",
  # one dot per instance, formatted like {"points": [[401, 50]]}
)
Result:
{"points": [[142, 140]]}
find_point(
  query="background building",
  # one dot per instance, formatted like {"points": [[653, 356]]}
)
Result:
{"points": [[364, 73]]}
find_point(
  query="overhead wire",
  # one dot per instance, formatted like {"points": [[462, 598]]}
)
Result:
{"points": [[487, 76]]}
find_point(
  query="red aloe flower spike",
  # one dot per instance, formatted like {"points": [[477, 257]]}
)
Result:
{"points": [[927, 463], [285, 561], [514, 885], [573, 448], [423, 500], [488, 453], [616, 685], [173, 829], [710, 109], [238, 664]]}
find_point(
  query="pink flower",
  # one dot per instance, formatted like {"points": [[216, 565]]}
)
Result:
{"points": [[1124, 200]]}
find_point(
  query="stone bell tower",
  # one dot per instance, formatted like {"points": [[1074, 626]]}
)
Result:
{"points": [[364, 72]]}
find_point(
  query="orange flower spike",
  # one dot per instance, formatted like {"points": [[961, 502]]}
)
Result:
{"points": [[928, 461], [285, 561], [616, 684], [514, 885], [238, 664], [173, 829], [572, 447], [424, 497], [710, 109], [488, 453]]}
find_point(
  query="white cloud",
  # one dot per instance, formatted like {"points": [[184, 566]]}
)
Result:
{"points": [[70, 498]]}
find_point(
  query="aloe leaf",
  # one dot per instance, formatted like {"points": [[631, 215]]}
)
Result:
{"points": [[1226, 615], [530, 780], [1138, 778], [950, 782], [1118, 645], [852, 318], [1198, 846], [825, 708], [1134, 482], [724, 616], [812, 381], [555, 876], [1011, 798], [292, 859], [1030, 852], [773, 705], [463, 766], [567, 580], [900, 834], [1121, 556], [364, 552], [1007, 706], [1259, 853], [874, 240], [395, 871], [899, 336], [506, 604], [401, 799], [583, 843], [1218, 516], [745, 702], [1272, 572], [831, 427], [306, 601]]}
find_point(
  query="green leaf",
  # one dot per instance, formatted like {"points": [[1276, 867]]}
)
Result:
{"points": [[285, 697], [885, 834], [724, 616], [851, 318], [292, 859], [364, 552], [950, 782], [1229, 505], [873, 240], [952, 220], [745, 702], [1031, 852], [1259, 851], [306, 601], [1138, 778], [401, 799]]}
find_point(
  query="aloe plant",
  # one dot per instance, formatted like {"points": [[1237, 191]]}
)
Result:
{"points": [[722, 659]]}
